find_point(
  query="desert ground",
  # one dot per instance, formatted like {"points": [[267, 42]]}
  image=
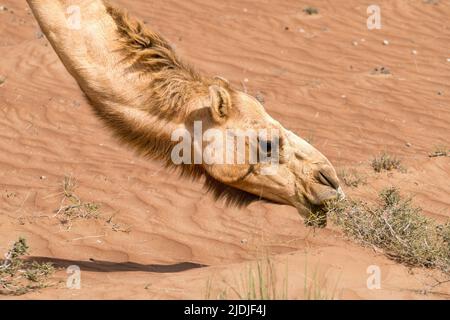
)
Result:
{"points": [[159, 236]]}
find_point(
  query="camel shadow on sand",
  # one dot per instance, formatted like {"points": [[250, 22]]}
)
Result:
{"points": [[108, 266]]}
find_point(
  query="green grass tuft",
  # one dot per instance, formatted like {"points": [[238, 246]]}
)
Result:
{"points": [[72, 207], [260, 282], [17, 276]]}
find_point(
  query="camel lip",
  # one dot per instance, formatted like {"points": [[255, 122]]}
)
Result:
{"points": [[332, 194], [340, 194], [321, 209], [309, 200], [307, 207]]}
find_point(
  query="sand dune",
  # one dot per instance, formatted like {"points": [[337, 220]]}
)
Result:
{"points": [[315, 74]]}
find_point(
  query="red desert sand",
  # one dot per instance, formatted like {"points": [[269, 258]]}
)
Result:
{"points": [[353, 92]]}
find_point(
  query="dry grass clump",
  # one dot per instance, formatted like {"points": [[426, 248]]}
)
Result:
{"points": [[260, 282], [397, 227], [351, 178], [17, 276], [315, 289], [311, 11], [316, 218], [72, 207], [386, 162], [439, 151]]}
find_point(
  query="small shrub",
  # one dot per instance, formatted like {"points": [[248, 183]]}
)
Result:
{"points": [[17, 276], [386, 162], [397, 227], [317, 218], [351, 178], [311, 11], [72, 207], [439, 151]]}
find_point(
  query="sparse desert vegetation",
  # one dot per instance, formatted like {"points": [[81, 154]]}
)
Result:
{"points": [[311, 11], [262, 282], [314, 289], [259, 282], [439, 151], [72, 207], [386, 162], [316, 219], [18, 276], [351, 177], [397, 227]]}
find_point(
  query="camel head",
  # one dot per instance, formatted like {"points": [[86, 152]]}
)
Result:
{"points": [[141, 90], [264, 158]]}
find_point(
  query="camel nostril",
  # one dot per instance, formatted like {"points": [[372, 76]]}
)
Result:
{"points": [[328, 180]]}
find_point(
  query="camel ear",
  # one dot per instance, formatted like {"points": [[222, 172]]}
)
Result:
{"points": [[220, 103], [222, 80]]}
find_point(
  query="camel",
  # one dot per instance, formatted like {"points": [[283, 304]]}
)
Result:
{"points": [[143, 92]]}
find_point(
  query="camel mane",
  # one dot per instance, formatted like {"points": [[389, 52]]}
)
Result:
{"points": [[172, 84]]}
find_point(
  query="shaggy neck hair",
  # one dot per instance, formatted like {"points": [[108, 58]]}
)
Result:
{"points": [[172, 84]]}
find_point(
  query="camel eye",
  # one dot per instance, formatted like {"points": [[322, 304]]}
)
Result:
{"points": [[269, 150], [265, 148], [269, 147]]}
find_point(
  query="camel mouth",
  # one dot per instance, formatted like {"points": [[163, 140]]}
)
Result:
{"points": [[314, 211], [325, 194]]}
